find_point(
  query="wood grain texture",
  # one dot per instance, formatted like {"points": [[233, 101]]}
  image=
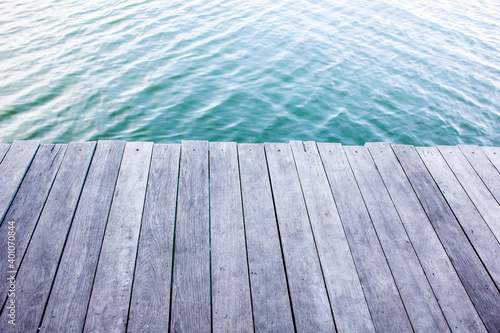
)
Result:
{"points": [[37, 272], [493, 154], [417, 295], [484, 168], [476, 229], [231, 303], [346, 294], [469, 267], [271, 303], [477, 191], [383, 299], [449, 291], [110, 298], [310, 304], [70, 294], [150, 305], [28, 203], [191, 303], [4, 147], [12, 170]]}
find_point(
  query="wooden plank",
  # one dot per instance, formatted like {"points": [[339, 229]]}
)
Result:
{"points": [[271, 303], [12, 170], [70, 294], [310, 304], [476, 229], [484, 168], [191, 303], [4, 147], [231, 304], [110, 299], [383, 299], [451, 295], [150, 305], [346, 294], [36, 274], [478, 193], [469, 267], [493, 154], [421, 305], [28, 203]]}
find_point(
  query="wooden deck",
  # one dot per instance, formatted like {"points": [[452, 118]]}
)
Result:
{"points": [[225, 237]]}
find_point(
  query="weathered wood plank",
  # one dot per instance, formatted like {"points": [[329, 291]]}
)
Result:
{"points": [[191, 303], [478, 193], [150, 305], [310, 304], [28, 203], [346, 294], [493, 154], [484, 168], [385, 304], [4, 147], [271, 303], [12, 170], [36, 274], [110, 298], [452, 297], [469, 267], [421, 305], [70, 294], [476, 229], [231, 304]]}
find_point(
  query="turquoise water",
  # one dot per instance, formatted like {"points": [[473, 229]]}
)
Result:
{"points": [[417, 72]]}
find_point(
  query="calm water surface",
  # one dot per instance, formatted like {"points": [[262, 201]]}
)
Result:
{"points": [[418, 72]]}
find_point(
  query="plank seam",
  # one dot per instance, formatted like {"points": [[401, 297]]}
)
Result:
{"points": [[281, 245], [378, 239], [34, 228], [67, 235], [173, 240], [102, 239], [425, 211], [347, 239], [410, 240], [245, 232], [139, 237], [312, 232]]}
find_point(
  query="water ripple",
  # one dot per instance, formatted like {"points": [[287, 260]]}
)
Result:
{"points": [[421, 72]]}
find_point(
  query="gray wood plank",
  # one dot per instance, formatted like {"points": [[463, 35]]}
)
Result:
{"points": [[469, 267], [385, 304], [36, 274], [478, 193], [231, 303], [310, 304], [271, 303], [68, 301], [150, 305], [12, 170], [346, 294], [417, 295], [476, 229], [4, 147], [452, 297], [484, 168], [493, 154], [28, 203], [110, 298], [191, 303]]}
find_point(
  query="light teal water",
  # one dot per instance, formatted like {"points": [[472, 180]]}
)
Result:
{"points": [[418, 72]]}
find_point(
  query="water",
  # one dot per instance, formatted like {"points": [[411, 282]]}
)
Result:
{"points": [[416, 72]]}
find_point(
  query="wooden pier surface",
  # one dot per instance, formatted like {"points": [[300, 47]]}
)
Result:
{"points": [[120, 236]]}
